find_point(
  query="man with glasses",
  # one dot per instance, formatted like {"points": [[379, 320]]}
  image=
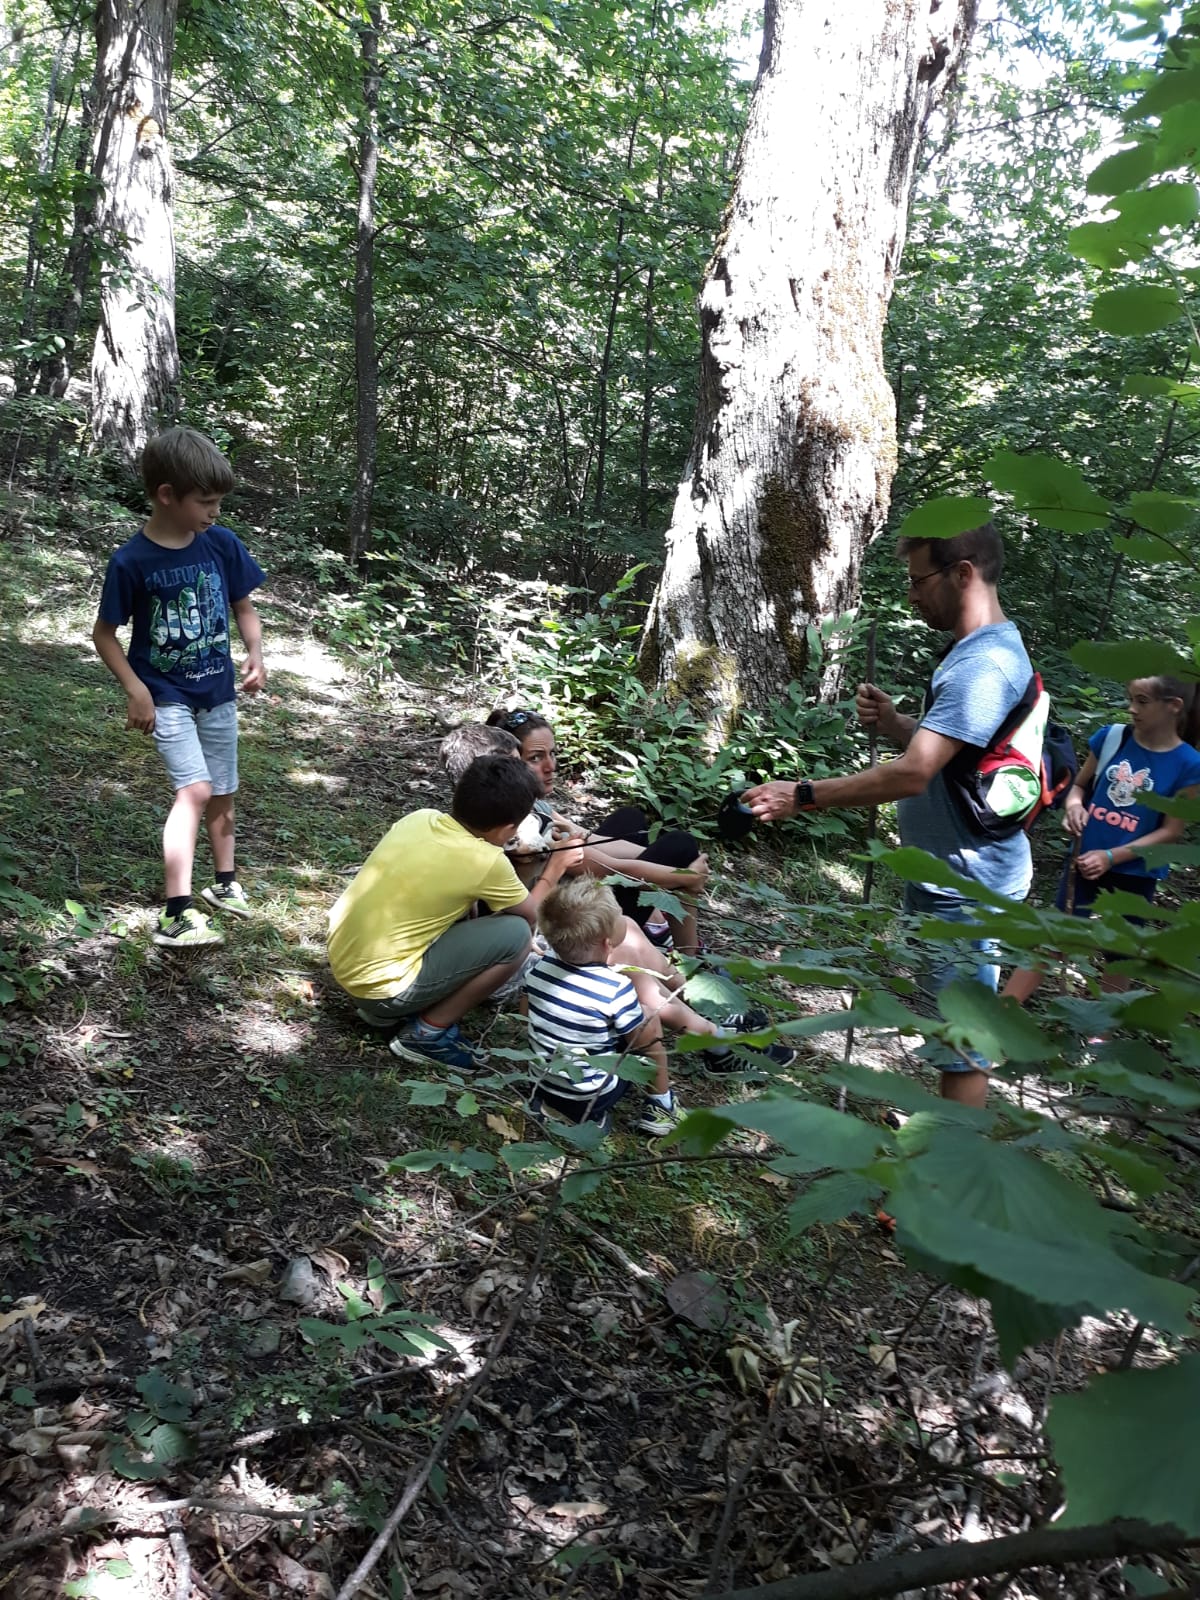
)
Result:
{"points": [[952, 585]]}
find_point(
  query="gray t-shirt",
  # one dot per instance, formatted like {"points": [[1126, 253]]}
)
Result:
{"points": [[974, 688]]}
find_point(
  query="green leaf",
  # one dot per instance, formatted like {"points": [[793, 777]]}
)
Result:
{"points": [[971, 1202], [918, 866], [1143, 308], [24, 1397], [129, 1466], [116, 1567], [999, 1029], [895, 1089], [454, 1160], [1143, 1581], [1145, 547], [830, 1199], [1171, 87], [1106, 244], [1131, 658], [466, 1105], [578, 1184], [813, 1135], [1151, 385], [166, 1399], [1122, 171], [944, 517], [1179, 136], [428, 1094], [1051, 491], [1163, 205], [520, 1157], [1110, 1444], [1162, 513]]}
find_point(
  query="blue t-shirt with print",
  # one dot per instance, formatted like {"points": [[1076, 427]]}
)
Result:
{"points": [[179, 602], [975, 686], [1115, 816]]}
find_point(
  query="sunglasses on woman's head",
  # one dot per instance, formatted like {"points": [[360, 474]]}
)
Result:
{"points": [[518, 719]]}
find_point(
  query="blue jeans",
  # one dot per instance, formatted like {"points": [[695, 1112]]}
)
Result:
{"points": [[948, 964]]}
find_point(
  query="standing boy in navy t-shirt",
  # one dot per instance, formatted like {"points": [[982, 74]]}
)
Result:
{"points": [[177, 580]]}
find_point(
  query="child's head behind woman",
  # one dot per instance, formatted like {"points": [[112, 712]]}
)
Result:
{"points": [[536, 738], [578, 917]]}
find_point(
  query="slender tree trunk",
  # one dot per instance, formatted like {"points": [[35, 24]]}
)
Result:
{"points": [[794, 448], [54, 371], [366, 356], [648, 337], [135, 361], [27, 368]]}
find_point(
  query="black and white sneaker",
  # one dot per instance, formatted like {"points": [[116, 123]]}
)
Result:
{"points": [[720, 1059]]}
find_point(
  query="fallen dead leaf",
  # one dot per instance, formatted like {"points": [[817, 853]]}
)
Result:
{"points": [[503, 1127], [255, 1272], [698, 1298], [576, 1510], [884, 1358], [25, 1313]]}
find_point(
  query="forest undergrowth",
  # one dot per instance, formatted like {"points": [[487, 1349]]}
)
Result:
{"points": [[240, 1313]]}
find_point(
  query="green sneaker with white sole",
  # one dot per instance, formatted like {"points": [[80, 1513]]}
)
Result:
{"points": [[229, 897]]}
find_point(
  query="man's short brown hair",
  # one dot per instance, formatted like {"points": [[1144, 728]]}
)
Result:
{"points": [[982, 547], [187, 461], [577, 915]]}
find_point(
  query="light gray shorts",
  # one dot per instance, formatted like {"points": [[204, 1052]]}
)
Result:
{"points": [[198, 746]]}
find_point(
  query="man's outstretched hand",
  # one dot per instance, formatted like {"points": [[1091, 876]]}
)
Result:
{"points": [[771, 802]]}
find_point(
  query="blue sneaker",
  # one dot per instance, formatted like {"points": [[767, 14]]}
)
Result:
{"points": [[417, 1041]]}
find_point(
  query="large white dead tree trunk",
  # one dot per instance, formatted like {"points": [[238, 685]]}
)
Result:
{"points": [[135, 362], [794, 447]]}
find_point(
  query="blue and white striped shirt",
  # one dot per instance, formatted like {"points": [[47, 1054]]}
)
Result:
{"points": [[580, 1011]]}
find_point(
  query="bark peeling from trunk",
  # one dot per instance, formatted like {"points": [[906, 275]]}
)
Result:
{"points": [[794, 446]]}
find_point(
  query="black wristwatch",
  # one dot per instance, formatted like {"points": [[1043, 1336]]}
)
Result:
{"points": [[804, 796]]}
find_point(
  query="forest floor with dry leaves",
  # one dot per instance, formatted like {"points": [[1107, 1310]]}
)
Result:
{"points": [[653, 1390]]}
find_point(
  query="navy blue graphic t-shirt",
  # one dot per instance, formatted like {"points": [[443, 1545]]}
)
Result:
{"points": [[1115, 816], [179, 601]]}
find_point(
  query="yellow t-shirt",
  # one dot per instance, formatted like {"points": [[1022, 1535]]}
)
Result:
{"points": [[421, 877]]}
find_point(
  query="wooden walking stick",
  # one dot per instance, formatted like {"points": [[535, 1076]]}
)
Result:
{"points": [[872, 820]]}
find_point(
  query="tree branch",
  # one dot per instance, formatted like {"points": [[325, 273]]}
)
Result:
{"points": [[922, 1569]]}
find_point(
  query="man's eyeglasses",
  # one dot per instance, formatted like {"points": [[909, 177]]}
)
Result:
{"points": [[915, 583]]}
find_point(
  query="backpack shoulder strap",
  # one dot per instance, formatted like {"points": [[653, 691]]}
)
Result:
{"points": [[1114, 738], [1112, 741]]}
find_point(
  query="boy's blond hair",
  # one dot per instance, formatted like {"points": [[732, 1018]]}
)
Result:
{"points": [[577, 915], [187, 461]]}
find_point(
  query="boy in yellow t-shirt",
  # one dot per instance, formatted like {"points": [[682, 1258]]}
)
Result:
{"points": [[401, 941]]}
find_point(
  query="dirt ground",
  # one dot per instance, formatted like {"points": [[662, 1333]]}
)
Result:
{"points": [[203, 1233]]}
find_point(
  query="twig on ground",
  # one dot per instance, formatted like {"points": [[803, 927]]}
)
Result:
{"points": [[88, 1519], [179, 1549], [31, 1346], [420, 1477], [612, 1249]]}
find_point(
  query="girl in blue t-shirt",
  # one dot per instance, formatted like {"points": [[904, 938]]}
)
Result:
{"points": [[1104, 811]]}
